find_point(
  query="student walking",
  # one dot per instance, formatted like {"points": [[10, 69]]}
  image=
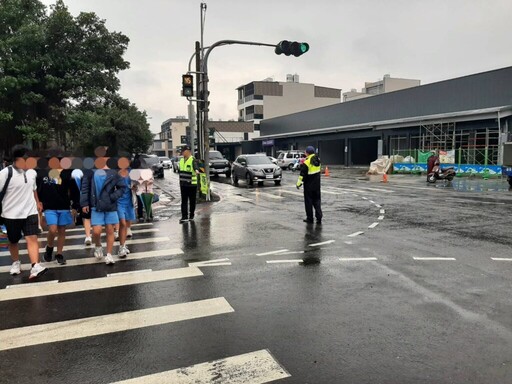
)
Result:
{"points": [[99, 196], [20, 205], [126, 213], [60, 199], [78, 175]]}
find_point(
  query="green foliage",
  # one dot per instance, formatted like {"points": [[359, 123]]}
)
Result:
{"points": [[58, 79]]}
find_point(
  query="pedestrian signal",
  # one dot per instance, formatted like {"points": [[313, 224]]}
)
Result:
{"points": [[188, 85]]}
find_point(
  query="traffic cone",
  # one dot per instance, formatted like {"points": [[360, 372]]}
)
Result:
{"points": [[384, 178], [326, 173]]}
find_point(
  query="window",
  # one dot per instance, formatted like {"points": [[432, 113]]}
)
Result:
{"points": [[249, 110]]}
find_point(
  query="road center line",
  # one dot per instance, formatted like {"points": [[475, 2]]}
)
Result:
{"points": [[380, 218], [501, 259], [358, 259], [434, 258], [373, 225], [382, 211], [355, 234], [119, 322], [285, 261], [250, 368]]}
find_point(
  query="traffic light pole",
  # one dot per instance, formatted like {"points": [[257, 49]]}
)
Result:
{"points": [[204, 89]]}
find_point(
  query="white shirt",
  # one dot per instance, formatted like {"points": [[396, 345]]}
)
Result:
{"points": [[19, 201]]}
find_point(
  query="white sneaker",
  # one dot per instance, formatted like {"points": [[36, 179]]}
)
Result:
{"points": [[88, 241], [122, 252], [109, 260], [129, 232], [37, 270], [127, 250], [98, 252], [16, 268], [116, 235]]}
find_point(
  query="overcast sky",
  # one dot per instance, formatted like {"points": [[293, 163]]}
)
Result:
{"points": [[350, 42]]}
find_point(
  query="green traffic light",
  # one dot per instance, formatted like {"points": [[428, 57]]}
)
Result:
{"points": [[304, 47]]}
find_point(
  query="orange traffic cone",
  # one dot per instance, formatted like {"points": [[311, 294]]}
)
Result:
{"points": [[384, 178], [326, 173]]}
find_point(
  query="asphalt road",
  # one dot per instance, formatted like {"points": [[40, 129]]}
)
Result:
{"points": [[403, 283]]}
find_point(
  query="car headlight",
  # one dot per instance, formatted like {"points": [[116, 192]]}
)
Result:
{"points": [[210, 164], [278, 171], [255, 170]]}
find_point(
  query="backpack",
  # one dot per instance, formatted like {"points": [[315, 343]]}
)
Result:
{"points": [[4, 190]]}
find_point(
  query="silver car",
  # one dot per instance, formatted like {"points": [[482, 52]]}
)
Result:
{"points": [[255, 168]]}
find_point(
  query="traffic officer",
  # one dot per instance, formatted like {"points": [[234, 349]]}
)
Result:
{"points": [[188, 184], [310, 177]]}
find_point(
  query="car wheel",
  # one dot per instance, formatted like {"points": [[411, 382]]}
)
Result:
{"points": [[260, 183], [277, 182], [248, 179], [290, 167], [509, 179]]}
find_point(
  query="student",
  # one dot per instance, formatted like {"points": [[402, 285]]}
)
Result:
{"points": [[78, 175], [20, 206], [59, 196], [99, 196], [126, 213]]}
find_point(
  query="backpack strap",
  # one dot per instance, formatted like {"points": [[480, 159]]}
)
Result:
{"points": [[9, 177]]}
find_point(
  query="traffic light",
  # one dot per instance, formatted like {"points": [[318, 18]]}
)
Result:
{"points": [[188, 85], [291, 48]]}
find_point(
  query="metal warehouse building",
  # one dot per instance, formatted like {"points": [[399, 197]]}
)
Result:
{"points": [[470, 115]]}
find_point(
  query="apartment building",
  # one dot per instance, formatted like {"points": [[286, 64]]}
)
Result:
{"points": [[387, 84]]}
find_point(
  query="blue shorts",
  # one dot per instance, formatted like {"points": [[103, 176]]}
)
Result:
{"points": [[58, 217], [125, 212], [103, 218]]}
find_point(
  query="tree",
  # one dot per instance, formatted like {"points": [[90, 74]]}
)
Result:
{"points": [[59, 79]]}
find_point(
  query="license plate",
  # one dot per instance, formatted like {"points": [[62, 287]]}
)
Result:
{"points": [[269, 176]]}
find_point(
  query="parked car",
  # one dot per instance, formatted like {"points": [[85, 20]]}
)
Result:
{"points": [[176, 164], [153, 162], [165, 161], [286, 159], [218, 164], [255, 168], [272, 159]]}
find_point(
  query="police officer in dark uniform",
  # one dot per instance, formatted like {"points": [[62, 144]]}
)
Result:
{"points": [[189, 172], [310, 177]]}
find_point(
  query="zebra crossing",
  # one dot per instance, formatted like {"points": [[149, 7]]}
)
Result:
{"points": [[41, 334]]}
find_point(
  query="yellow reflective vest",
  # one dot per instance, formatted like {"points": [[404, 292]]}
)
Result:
{"points": [[188, 176]]}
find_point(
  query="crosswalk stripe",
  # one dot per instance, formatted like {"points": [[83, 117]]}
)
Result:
{"points": [[285, 261], [74, 237], [355, 234], [277, 197], [81, 229], [33, 290], [147, 240], [118, 322], [323, 243], [250, 368], [501, 259], [272, 252], [358, 259], [373, 225], [434, 258], [93, 260]]}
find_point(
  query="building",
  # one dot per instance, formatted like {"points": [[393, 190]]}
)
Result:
{"points": [[226, 136], [267, 99], [387, 84], [470, 116]]}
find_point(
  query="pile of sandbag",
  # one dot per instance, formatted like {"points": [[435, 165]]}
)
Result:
{"points": [[380, 166]]}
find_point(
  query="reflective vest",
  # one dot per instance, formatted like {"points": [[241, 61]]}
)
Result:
{"points": [[312, 169], [187, 173]]}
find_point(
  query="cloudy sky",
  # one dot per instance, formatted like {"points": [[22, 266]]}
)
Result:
{"points": [[352, 41]]}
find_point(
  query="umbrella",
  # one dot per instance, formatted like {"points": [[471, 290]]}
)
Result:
{"points": [[147, 201]]}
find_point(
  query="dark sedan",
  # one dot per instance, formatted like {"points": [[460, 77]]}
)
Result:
{"points": [[255, 168]]}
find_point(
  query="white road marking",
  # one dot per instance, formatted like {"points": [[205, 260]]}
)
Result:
{"points": [[250, 368], [377, 189], [371, 201], [434, 258], [358, 259], [355, 234], [210, 263], [378, 205], [73, 237], [348, 242], [272, 252], [347, 190], [285, 261], [18, 286], [148, 240], [324, 243], [501, 259], [365, 198], [382, 211], [128, 273], [291, 253], [80, 229], [93, 260], [119, 322], [373, 225], [380, 218], [112, 280], [257, 193]]}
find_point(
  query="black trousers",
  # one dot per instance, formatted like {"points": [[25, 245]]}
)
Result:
{"points": [[312, 199], [188, 195]]}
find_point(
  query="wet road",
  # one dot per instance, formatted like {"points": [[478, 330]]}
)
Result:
{"points": [[403, 283]]}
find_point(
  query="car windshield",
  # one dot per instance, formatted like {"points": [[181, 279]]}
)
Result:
{"points": [[151, 160], [258, 160], [281, 155], [215, 155]]}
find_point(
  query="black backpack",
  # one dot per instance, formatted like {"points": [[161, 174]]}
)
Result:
{"points": [[4, 190]]}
